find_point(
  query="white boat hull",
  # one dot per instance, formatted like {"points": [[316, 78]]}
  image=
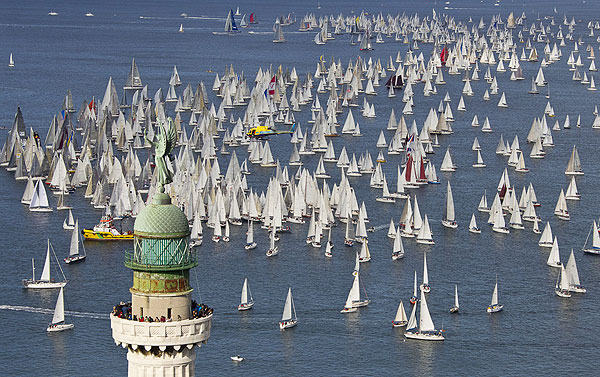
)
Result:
{"points": [[30, 284], [348, 310], [424, 336], [60, 327], [246, 306], [74, 259], [495, 308], [562, 293], [287, 324]]}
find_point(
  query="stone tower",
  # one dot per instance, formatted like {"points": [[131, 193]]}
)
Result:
{"points": [[161, 325]]}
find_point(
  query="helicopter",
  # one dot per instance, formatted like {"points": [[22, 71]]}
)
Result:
{"points": [[263, 131]]}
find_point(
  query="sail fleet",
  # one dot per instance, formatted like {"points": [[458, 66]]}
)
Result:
{"points": [[112, 161]]}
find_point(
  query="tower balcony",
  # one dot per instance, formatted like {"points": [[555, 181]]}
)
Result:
{"points": [[188, 333], [138, 261]]}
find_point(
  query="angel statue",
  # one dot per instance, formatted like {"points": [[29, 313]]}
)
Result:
{"points": [[163, 146]]}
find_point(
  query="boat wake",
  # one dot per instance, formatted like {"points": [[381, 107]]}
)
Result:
{"points": [[31, 309]]}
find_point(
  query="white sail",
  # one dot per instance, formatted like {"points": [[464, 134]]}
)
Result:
{"points": [[449, 204], [412, 321], [425, 273], [564, 279], [572, 273], [46, 270], [554, 257], [354, 294], [495, 295], [287, 309], [74, 249], [425, 321], [59, 309], [250, 233], [456, 296], [400, 313]]}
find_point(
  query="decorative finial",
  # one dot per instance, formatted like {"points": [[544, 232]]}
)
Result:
{"points": [[163, 146]]}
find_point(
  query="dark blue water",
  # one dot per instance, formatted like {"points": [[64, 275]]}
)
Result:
{"points": [[537, 333]]}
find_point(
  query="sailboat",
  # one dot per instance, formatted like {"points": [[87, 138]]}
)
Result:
{"points": [[546, 237], [273, 250], [353, 301], [349, 234], [278, 37], [494, 305], [473, 228], [287, 319], [181, 28], [426, 329], [225, 237], [562, 284], [196, 236], [454, 308], [134, 81], [561, 210], [39, 201], [595, 247], [365, 254], [398, 250], [246, 301], [45, 280], [449, 221], [58, 320], [75, 253], [573, 275], [414, 298], [230, 25], [250, 244], [554, 257], [329, 246], [425, 236], [425, 286], [479, 163], [574, 164], [69, 222], [400, 320], [11, 62]]}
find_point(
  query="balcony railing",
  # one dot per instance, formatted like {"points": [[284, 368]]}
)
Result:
{"points": [[176, 333]]}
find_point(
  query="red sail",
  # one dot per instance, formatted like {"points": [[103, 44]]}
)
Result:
{"points": [[409, 163], [444, 55]]}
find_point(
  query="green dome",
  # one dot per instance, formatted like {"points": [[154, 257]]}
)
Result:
{"points": [[161, 219]]}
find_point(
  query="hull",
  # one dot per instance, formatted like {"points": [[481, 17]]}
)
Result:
{"points": [[348, 310], [105, 236], [30, 284], [74, 259], [272, 252], [250, 246], [424, 336], [246, 306], [450, 224], [495, 308], [475, 230], [562, 293], [287, 324], [399, 323], [454, 309], [60, 327]]}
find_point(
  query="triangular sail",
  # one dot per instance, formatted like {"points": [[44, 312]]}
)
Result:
{"points": [[46, 271], [495, 295], [287, 309], [59, 309], [412, 322], [400, 313], [456, 295], [74, 250], [425, 321], [244, 298]]}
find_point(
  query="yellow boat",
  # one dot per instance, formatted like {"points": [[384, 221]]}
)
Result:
{"points": [[106, 231]]}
